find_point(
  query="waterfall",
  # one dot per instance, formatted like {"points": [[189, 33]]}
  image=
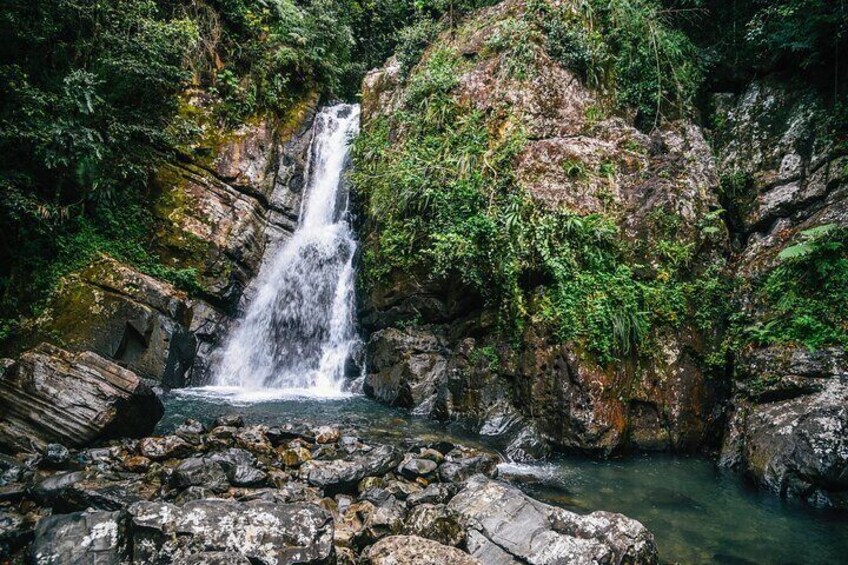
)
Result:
{"points": [[298, 331]]}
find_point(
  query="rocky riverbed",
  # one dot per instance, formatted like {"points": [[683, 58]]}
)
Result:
{"points": [[234, 492]]}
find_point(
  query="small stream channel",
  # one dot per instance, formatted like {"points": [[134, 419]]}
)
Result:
{"points": [[697, 513]]}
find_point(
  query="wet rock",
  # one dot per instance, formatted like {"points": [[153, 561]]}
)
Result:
{"points": [[412, 550], [253, 438], [194, 493], [528, 445], [261, 531], [81, 537], [295, 456], [76, 491], [789, 429], [385, 519], [50, 488], [162, 448], [53, 396], [200, 472], [435, 522], [140, 322], [499, 519], [437, 493], [327, 434], [371, 482], [137, 464], [433, 455], [56, 455], [414, 468], [221, 437], [232, 458], [16, 530], [375, 495], [343, 475], [462, 463], [247, 476], [190, 430], [406, 368], [229, 421], [214, 558], [402, 489]]}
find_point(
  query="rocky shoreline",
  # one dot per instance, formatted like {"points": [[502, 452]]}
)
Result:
{"points": [[232, 493]]}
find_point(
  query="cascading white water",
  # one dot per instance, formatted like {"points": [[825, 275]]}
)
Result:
{"points": [[298, 331]]}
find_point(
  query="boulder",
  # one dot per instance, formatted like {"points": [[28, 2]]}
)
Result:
{"points": [[436, 522], [200, 472], [406, 368], [122, 314], [574, 161], [81, 537], [77, 491], [413, 550], [463, 462], [789, 427], [416, 467], [504, 526], [162, 448], [343, 475], [50, 395], [263, 532]]}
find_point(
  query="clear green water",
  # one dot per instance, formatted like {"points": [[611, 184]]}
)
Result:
{"points": [[697, 513]]}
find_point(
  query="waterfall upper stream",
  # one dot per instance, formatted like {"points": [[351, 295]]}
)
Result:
{"points": [[298, 331]]}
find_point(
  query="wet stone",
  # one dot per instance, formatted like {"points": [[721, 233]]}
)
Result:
{"points": [[200, 472], [413, 550], [162, 448], [417, 468], [56, 455], [229, 420]]}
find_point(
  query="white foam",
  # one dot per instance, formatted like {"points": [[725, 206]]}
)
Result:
{"points": [[241, 396]]}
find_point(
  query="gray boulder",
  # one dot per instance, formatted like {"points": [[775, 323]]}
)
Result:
{"points": [[53, 396], [81, 537], [263, 532], [504, 526], [343, 475], [789, 428], [436, 522], [412, 550], [200, 472], [462, 463]]}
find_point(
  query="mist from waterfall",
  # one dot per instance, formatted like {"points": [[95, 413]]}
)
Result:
{"points": [[298, 331]]}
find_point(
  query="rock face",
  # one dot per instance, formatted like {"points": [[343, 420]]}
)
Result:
{"points": [[122, 314], [50, 395], [789, 429], [788, 426], [431, 343], [236, 192], [499, 518]]}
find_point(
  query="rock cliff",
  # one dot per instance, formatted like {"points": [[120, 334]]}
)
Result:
{"points": [[218, 208], [785, 175], [435, 345]]}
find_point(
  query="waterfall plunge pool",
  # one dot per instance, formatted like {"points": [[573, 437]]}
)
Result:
{"points": [[697, 513]]}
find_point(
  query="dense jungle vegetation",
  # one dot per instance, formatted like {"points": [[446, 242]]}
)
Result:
{"points": [[90, 99]]}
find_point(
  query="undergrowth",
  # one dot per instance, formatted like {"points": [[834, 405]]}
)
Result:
{"points": [[442, 203]]}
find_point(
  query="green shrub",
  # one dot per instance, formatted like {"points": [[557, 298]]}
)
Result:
{"points": [[627, 48], [804, 300]]}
